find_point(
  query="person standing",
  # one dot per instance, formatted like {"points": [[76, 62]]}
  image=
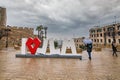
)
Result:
{"points": [[89, 50], [114, 48]]}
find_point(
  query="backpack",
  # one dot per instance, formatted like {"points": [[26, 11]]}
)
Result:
{"points": [[89, 46]]}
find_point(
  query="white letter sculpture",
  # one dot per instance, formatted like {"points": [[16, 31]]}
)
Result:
{"points": [[66, 44]]}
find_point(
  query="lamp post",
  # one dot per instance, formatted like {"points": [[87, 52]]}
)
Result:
{"points": [[1, 34], [105, 38], [6, 32]]}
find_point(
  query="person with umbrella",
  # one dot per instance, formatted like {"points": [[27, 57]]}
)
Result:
{"points": [[88, 43]]}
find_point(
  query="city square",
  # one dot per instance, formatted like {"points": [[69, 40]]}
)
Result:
{"points": [[103, 66], [60, 40]]}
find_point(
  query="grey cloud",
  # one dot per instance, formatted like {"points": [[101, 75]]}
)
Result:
{"points": [[65, 17]]}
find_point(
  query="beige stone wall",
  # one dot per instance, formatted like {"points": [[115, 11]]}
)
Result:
{"points": [[78, 42], [16, 34]]}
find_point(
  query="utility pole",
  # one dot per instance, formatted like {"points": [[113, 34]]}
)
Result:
{"points": [[113, 33], [99, 23]]}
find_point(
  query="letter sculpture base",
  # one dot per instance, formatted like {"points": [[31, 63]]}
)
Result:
{"points": [[73, 56]]}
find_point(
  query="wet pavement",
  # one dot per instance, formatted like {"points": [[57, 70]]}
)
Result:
{"points": [[103, 66]]}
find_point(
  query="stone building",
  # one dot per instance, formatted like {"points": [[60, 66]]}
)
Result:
{"points": [[15, 34], [103, 36], [2, 16], [78, 42]]}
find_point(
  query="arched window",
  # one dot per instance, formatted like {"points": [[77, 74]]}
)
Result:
{"points": [[97, 40], [109, 40], [101, 35]]}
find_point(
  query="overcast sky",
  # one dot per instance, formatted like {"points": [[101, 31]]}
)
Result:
{"points": [[71, 18]]}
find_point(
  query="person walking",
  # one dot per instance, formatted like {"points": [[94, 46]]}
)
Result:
{"points": [[114, 48], [88, 44], [89, 50]]}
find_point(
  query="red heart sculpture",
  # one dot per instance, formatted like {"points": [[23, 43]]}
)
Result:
{"points": [[33, 44]]}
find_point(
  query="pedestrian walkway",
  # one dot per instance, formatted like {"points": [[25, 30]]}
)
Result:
{"points": [[103, 66]]}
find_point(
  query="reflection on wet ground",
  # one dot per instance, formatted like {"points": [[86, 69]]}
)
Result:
{"points": [[103, 66]]}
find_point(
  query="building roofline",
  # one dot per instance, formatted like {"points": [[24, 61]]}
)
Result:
{"points": [[110, 25]]}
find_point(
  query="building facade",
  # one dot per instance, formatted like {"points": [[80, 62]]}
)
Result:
{"points": [[78, 42], [103, 36], [16, 34], [12, 37]]}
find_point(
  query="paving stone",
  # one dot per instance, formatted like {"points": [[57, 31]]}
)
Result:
{"points": [[103, 66]]}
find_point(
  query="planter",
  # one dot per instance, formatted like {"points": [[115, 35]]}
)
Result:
{"points": [[98, 49], [79, 51], [68, 51], [48, 50], [118, 48]]}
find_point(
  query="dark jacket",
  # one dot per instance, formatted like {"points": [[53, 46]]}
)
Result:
{"points": [[89, 47], [114, 47]]}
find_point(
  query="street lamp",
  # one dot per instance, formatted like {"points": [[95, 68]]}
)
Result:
{"points": [[105, 38], [6, 32], [1, 34]]}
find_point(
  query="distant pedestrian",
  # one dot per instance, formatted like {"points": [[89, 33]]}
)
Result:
{"points": [[114, 48], [88, 44], [89, 50]]}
